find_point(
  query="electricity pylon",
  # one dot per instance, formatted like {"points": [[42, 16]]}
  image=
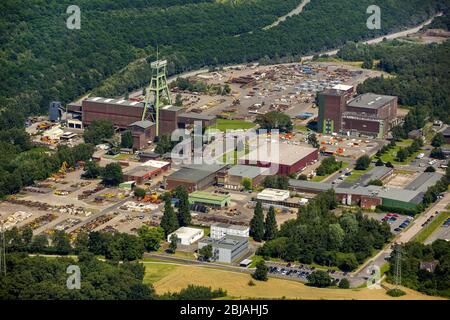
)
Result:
{"points": [[2, 251], [398, 267]]}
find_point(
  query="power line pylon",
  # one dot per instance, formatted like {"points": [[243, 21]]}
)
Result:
{"points": [[2, 251], [159, 89], [398, 267]]}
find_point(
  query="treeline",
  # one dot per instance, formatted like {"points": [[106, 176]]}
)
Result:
{"points": [[431, 282], [319, 236], [62, 64], [200, 86], [420, 78]]}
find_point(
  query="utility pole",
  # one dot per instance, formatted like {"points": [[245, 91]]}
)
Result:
{"points": [[398, 267]]}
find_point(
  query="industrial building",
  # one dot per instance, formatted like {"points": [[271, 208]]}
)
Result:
{"points": [[226, 249], [218, 200], [446, 134], [219, 230], [232, 178], [281, 158], [368, 114], [187, 236], [148, 170], [273, 195], [194, 177]]}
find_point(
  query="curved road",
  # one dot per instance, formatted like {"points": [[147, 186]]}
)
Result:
{"points": [[294, 12]]}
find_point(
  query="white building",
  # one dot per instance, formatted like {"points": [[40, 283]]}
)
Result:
{"points": [[273, 195], [219, 230], [54, 133], [187, 236]]}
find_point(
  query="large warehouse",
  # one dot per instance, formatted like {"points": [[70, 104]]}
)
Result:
{"points": [[194, 177], [281, 158]]}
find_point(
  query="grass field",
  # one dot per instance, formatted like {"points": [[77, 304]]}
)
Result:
{"points": [[391, 155], [321, 178], [356, 174], [225, 124], [434, 224], [167, 277]]}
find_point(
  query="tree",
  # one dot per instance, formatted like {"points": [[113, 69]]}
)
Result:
{"points": [[375, 182], [275, 120], [437, 153], [261, 271], [402, 154], [83, 151], [303, 177], [178, 100], [344, 283], [379, 163], [164, 144], [151, 237], [81, 243], [139, 193], [112, 174], [173, 243], [169, 221], [91, 170], [320, 279], [247, 183], [438, 140], [39, 244], [206, 252], [125, 247], [98, 130], [430, 169], [312, 140], [389, 164], [271, 228], [126, 140], [184, 212], [367, 64], [257, 223], [61, 242], [362, 163]]}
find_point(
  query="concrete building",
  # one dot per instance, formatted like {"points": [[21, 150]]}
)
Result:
{"points": [[232, 178], [281, 158], [146, 171], [446, 134], [210, 199], [275, 195], [187, 236], [143, 133], [186, 119], [226, 249], [367, 114], [219, 230], [193, 177]]}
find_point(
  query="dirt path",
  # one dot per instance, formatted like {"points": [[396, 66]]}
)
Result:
{"points": [[294, 12]]}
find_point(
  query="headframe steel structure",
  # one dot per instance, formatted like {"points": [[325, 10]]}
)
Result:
{"points": [[158, 89]]}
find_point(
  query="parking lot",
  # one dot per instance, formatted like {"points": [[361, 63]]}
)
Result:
{"points": [[300, 272], [396, 222]]}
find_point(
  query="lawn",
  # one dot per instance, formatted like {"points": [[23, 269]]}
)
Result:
{"points": [[225, 124], [356, 174], [431, 227], [176, 277], [390, 156], [321, 178]]}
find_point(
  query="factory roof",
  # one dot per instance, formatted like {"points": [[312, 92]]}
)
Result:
{"points": [[122, 102], [333, 92], [209, 196], [229, 226], [370, 101], [251, 172], [197, 116], [446, 132], [172, 108], [195, 173], [144, 124], [281, 153], [375, 191], [424, 181], [156, 164], [343, 87], [376, 173], [226, 242], [186, 232], [140, 171]]}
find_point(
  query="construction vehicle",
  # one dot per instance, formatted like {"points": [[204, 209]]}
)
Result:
{"points": [[61, 172], [44, 126], [152, 198]]}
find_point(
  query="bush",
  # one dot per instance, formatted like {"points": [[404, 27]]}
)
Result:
{"points": [[320, 279], [405, 211], [261, 271], [344, 283], [362, 163], [395, 292]]}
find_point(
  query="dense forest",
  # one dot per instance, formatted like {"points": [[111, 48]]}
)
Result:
{"points": [[42, 60], [420, 77], [432, 282], [319, 236]]}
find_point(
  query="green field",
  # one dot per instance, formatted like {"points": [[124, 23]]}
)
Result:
{"points": [[356, 174], [225, 124], [434, 224], [390, 156]]}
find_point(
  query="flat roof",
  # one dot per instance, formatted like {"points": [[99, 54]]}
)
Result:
{"points": [[333, 92], [281, 153], [172, 108], [209, 196], [343, 87], [186, 232], [229, 226], [196, 116], [226, 242], [156, 164], [242, 170], [424, 181], [376, 173], [143, 124], [370, 101], [121, 102], [195, 173], [140, 171]]}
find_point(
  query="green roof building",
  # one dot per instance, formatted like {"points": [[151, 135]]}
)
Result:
{"points": [[210, 199]]}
